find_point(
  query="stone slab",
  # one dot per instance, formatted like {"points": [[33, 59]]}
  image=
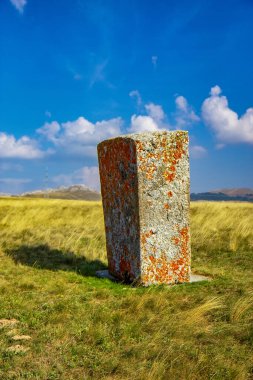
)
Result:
{"points": [[145, 192]]}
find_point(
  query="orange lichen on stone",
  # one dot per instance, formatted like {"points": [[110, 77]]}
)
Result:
{"points": [[152, 259], [181, 266], [169, 176], [170, 154], [184, 232], [175, 240], [158, 271]]}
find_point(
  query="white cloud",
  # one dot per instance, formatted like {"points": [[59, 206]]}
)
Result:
{"points": [[80, 137], [48, 114], [181, 103], [155, 111], [154, 59], [24, 148], [88, 176], [19, 4], [99, 75], [185, 115], [216, 90], [197, 151], [50, 131], [152, 121], [136, 94], [143, 124], [226, 124]]}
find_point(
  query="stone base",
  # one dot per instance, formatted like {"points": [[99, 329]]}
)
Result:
{"points": [[198, 278], [105, 274], [194, 277]]}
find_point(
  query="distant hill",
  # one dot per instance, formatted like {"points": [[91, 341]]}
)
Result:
{"points": [[78, 192], [239, 194], [82, 192]]}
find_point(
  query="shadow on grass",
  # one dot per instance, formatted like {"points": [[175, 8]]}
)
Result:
{"points": [[44, 257]]}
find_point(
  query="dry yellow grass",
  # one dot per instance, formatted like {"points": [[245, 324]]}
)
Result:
{"points": [[82, 327], [220, 225]]}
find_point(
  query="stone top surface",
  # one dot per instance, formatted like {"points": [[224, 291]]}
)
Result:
{"points": [[144, 136]]}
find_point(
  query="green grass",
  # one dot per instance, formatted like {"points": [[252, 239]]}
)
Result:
{"points": [[82, 327]]}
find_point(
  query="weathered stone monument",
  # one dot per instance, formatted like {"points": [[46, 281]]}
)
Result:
{"points": [[145, 192]]}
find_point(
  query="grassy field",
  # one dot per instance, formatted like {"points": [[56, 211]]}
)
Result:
{"points": [[76, 326]]}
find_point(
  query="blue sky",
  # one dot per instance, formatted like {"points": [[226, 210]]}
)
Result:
{"points": [[75, 72]]}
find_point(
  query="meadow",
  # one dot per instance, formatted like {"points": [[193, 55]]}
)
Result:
{"points": [[59, 321]]}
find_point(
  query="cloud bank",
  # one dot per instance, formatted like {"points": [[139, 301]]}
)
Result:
{"points": [[80, 137], [24, 148], [227, 126]]}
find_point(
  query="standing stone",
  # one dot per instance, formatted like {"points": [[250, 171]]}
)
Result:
{"points": [[145, 192]]}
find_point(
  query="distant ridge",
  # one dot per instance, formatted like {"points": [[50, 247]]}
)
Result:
{"points": [[75, 192], [82, 192], [5, 195], [237, 194]]}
